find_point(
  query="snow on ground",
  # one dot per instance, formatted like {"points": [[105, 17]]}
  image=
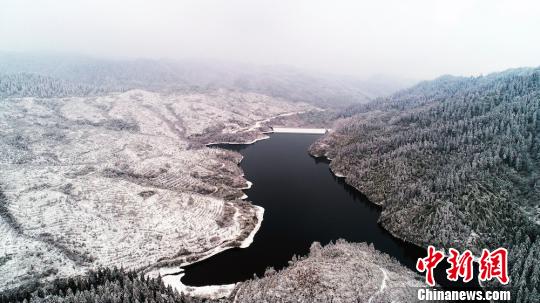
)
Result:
{"points": [[172, 276], [383, 285], [294, 130], [241, 141], [340, 272], [249, 239], [24, 260], [339, 175], [211, 291], [124, 179], [249, 184]]}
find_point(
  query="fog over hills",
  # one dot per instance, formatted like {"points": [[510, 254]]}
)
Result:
{"points": [[113, 115], [93, 75], [97, 150]]}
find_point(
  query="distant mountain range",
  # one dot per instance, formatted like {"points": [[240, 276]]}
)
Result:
{"points": [[60, 74]]}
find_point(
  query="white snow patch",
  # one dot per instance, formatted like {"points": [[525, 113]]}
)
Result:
{"points": [[211, 291], [239, 143], [292, 130], [249, 239], [383, 284], [165, 271], [249, 184], [172, 276], [339, 175], [258, 125]]}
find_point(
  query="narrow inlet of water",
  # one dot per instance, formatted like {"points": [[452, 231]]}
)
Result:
{"points": [[304, 202]]}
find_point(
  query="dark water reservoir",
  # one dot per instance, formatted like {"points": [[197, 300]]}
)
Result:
{"points": [[304, 202]]}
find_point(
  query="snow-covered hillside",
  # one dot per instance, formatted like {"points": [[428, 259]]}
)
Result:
{"points": [[123, 179]]}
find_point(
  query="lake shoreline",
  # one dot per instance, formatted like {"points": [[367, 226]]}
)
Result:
{"points": [[173, 276], [225, 290], [343, 178]]}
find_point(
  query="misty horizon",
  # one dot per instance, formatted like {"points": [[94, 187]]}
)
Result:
{"points": [[249, 151], [418, 40], [216, 63]]}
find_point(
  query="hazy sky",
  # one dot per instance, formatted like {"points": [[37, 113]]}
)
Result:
{"points": [[414, 39]]}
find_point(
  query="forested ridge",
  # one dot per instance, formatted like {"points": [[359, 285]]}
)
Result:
{"points": [[454, 162], [109, 75], [104, 285], [34, 85]]}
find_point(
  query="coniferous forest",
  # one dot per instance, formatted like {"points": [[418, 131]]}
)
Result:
{"points": [[269, 151], [104, 285], [454, 162]]}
